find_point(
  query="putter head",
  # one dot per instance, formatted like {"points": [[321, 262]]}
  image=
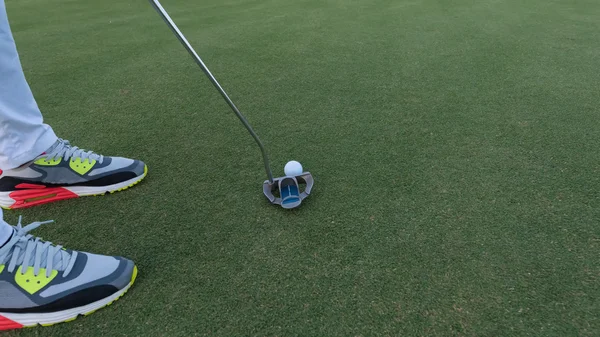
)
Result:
{"points": [[286, 191]]}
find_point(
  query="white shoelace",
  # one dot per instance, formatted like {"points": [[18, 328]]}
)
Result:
{"points": [[65, 150], [25, 250]]}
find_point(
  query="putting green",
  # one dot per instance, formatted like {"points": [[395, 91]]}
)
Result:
{"points": [[455, 147]]}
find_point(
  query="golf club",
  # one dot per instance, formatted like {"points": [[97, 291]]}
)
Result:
{"points": [[163, 13], [284, 191]]}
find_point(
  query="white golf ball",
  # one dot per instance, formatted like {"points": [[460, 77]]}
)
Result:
{"points": [[293, 168]]}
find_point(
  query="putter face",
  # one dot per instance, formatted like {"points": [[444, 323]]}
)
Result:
{"points": [[287, 191]]}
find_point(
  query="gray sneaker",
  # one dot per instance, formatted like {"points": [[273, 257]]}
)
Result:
{"points": [[66, 172], [44, 284]]}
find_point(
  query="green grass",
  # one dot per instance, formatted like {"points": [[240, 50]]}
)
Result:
{"points": [[455, 146]]}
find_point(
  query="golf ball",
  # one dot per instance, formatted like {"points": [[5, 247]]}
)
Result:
{"points": [[293, 168]]}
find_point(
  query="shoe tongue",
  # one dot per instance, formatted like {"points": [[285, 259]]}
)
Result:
{"points": [[5, 236], [6, 230], [52, 148]]}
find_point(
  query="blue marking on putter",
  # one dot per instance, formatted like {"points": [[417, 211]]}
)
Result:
{"points": [[290, 191], [290, 194]]}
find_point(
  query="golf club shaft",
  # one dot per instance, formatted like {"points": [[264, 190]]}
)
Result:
{"points": [[163, 13]]}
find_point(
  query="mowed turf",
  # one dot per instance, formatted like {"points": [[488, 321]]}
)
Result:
{"points": [[455, 146]]}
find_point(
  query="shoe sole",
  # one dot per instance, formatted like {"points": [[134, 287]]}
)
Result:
{"points": [[39, 194], [10, 321]]}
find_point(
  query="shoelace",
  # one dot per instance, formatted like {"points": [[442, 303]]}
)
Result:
{"points": [[28, 251], [65, 150]]}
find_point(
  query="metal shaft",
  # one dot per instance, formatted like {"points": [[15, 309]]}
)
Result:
{"points": [[163, 13]]}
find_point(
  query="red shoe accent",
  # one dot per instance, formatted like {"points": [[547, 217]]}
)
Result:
{"points": [[7, 324], [37, 196], [29, 186]]}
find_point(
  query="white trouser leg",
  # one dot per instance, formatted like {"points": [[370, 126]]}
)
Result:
{"points": [[23, 134], [5, 230]]}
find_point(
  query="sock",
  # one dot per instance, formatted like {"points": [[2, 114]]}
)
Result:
{"points": [[6, 230]]}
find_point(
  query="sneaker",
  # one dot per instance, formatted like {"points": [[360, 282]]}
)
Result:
{"points": [[44, 284], [65, 172]]}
